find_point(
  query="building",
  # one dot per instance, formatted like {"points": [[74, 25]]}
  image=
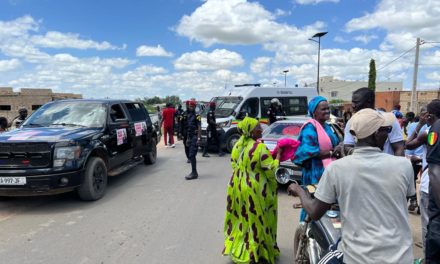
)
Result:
{"points": [[424, 97], [387, 100], [341, 91], [31, 99]]}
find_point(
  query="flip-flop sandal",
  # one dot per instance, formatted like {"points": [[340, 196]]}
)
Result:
{"points": [[297, 206]]}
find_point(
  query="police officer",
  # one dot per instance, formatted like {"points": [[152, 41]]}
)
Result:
{"points": [[212, 136], [22, 115], [178, 117], [274, 110], [183, 129], [193, 132]]}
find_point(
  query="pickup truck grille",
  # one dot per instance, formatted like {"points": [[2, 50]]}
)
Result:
{"points": [[24, 155]]}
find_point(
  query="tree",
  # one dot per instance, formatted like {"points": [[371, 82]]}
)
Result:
{"points": [[372, 76], [174, 99]]}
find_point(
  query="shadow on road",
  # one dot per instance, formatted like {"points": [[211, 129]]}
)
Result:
{"points": [[66, 202]]}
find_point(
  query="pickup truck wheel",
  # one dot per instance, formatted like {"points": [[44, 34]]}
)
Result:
{"points": [[231, 140], [150, 157], [95, 180]]}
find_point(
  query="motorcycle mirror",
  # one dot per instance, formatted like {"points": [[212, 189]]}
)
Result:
{"points": [[282, 176]]}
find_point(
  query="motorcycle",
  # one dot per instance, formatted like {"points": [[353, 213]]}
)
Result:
{"points": [[312, 239]]}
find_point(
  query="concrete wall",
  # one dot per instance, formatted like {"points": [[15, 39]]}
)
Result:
{"points": [[423, 99], [29, 98], [387, 100]]}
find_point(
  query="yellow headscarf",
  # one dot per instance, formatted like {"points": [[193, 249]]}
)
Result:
{"points": [[245, 127]]}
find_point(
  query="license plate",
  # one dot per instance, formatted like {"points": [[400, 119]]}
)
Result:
{"points": [[12, 180]]}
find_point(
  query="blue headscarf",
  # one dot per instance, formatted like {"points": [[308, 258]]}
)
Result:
{"points": [[314, 103]]}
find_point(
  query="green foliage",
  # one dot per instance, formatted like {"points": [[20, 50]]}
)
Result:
{"points": [[372, 76], [336, 101], [151, 102]]}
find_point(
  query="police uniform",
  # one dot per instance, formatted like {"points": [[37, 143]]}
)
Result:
{"points": [[212, 136], [179, 114], [193, 124], [432, 249], [183, 130], [272, 113]]}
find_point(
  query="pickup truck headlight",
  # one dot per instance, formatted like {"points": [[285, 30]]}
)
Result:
{"points": [[224, 124], [64, 154]]}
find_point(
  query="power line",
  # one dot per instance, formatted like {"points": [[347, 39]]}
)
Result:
{"points": [[400, 56], [381, 68]]}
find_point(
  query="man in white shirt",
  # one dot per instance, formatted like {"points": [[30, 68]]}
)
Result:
{"points": [[371, 188], [365, 98]]}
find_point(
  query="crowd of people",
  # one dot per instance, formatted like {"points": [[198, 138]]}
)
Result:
{"points": [[371, 175], [187, 125]]}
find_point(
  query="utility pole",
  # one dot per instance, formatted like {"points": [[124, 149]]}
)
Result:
{"points": [[414, 87]]}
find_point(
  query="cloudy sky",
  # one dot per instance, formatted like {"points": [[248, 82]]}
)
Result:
{"points": [[195, 48]]}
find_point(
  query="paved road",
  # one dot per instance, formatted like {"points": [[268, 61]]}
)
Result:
{"points": [[149, 215]]}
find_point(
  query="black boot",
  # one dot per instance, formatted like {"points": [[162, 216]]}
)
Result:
{"points": [[205, 151], [193, 175]]}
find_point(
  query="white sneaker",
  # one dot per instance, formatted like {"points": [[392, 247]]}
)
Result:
{"points": [[173, 146]]}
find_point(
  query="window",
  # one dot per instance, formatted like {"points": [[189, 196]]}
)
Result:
{"points": [[136, 112], [334, 94], [295, 105], [5, 108], [116, 113], [291, 105], [250, 108], [35, 107]]}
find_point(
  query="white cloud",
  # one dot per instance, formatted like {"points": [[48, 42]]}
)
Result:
{"points": [[58, 40], [230, 22], [8, 65], [260, 65], [404, 21], [314, 2], [202, 61], [18, 27], [340, 39], [158, 51], [281, 13], [19, 38], [365, 38]]}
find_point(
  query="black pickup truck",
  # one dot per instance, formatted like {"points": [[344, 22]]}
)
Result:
{"points": [[75, 145]]}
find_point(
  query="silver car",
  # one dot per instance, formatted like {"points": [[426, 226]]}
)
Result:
{"points": [[290, 128]]}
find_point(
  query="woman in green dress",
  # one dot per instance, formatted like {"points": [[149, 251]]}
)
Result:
{"points": [[251, 211]]}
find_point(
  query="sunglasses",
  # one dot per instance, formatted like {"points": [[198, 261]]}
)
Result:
{"points": [[387, 129]]}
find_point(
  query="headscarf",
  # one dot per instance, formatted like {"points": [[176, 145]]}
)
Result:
{"points": [[245, 127], [313, 104]]}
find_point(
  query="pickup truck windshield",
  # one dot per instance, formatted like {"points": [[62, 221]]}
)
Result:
{"points": [[225, 106], [81, 114]]}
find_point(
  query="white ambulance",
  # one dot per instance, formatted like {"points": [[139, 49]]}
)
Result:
{"points": [[254, 102]]}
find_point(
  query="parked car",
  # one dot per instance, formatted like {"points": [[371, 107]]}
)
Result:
{"points": [[290, 128], [75, 145]]}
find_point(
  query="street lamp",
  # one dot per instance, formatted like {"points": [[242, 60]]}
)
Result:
{"points": [[318, 35], [285, 78]]}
